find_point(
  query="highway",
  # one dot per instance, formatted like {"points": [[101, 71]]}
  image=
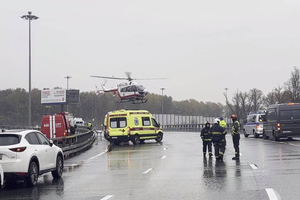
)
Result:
{"points": [[174, 169]]}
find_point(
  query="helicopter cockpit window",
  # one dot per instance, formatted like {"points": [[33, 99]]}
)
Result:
{"points": [[140, 87]]}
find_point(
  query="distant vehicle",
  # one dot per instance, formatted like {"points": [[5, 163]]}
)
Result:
{"points": [[128, 91], [254, 125], [282, 121], [131, 125], [78, 121], [26, 154], [57, 125]]}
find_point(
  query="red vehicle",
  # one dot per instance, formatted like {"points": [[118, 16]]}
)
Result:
{"points": [[57, 125]]}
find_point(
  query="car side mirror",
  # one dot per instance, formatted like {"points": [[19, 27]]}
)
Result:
{"points": [[51, 143]]}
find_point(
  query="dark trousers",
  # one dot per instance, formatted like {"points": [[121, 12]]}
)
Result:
{"points": [[236, 144], [207, 145], [220, 148]]}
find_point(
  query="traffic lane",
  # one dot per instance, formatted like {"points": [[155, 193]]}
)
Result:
{"points": [[277, 164], [174, 169], [184, 174], [49, 188]]}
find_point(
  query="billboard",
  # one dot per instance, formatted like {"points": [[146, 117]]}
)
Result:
{"points": [[53, 96]]}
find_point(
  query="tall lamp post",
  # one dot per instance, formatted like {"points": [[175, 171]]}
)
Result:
{"points": [[67, 77], [162, 105], [29, 17]]}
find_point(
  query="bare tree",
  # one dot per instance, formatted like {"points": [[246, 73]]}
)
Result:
{"points": [[255, 99], [293, 85]]}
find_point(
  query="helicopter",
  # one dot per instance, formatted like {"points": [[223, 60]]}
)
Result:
{"points": [[128, 91]]}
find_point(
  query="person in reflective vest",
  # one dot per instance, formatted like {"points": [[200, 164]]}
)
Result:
{"points": [[223, 123], [90, 125], [206, 139], [235, 131], [218, 138]]}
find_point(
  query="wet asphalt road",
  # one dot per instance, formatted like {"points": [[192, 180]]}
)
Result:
{"points": [[174, 169]]}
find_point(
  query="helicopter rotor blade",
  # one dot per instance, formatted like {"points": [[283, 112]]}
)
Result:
{"points": [[109, 77]]}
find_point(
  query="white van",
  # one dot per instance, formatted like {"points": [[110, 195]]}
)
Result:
{"points": [[254, 125]]}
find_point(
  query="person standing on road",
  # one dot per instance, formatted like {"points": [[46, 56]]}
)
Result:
{"points": [[89, 125], [206, 139], [218, 138], [235, 131]]}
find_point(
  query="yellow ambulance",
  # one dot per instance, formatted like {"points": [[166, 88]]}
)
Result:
{"points": [[131, 125]]}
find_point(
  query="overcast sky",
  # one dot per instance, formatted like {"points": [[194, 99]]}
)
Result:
{"points": [[201, 46]]}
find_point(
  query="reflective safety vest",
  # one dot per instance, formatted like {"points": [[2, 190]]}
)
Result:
{"points": [[223, 124], [235, 129], [89, 125]]}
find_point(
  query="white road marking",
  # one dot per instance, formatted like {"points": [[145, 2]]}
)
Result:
{"points": [[253, 166], [147, 171], [163, 157], [107, 197], [100, 154], [241, 154], [165, 148], [271, 193]]}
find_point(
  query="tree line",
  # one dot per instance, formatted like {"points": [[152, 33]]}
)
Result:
{"points": [[243, 103], [93, 106]]}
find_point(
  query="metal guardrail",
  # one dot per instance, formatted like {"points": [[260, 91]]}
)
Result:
{"points": [[75, 143], [83, 139], [187, 127]]}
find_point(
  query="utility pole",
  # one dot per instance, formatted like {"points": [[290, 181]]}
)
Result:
{"points": [[67, 77], [162, 105], [29, 17]]}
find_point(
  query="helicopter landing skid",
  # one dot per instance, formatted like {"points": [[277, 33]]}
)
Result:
{"points": [[134, 101]]}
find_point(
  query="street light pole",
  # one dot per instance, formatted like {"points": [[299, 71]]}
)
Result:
{"points": [[162, 105], [29, 17], [68, 77]]}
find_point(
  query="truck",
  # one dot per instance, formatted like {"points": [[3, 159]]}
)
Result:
{"points": [[56, 125]]}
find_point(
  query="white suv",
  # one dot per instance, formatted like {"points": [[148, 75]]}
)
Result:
{"points": [[26, 154]]}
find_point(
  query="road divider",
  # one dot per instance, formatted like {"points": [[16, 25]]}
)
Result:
{"points": [[107, 197], [100, 154], [147, 171], [271, 193], [254, 166]]}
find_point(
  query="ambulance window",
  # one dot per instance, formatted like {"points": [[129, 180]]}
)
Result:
{"points": [[122, 122], [118, 122], [155, 123], [146, 121]]}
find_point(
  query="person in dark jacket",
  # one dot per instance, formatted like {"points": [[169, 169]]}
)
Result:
{"points": [[235, 132], [206, 138], [218, 138]]}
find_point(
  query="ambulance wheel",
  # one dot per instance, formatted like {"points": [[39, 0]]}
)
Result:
{"points": [[159, 137], [142, 141], [246, 135], [136, 140]]}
